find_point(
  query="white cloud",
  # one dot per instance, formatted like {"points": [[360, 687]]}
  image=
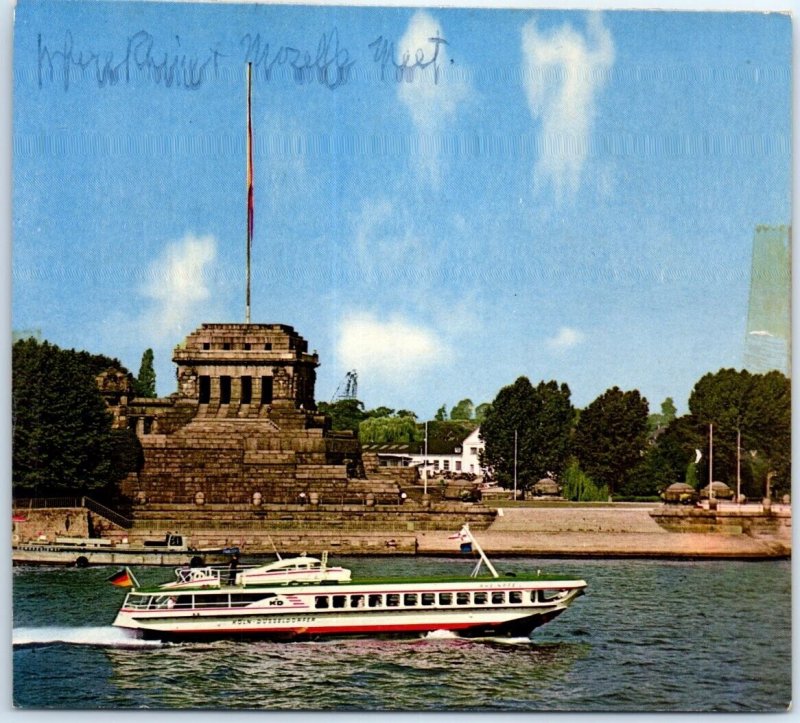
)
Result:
{"points": [[392, 350], [565, 338], [384, 238], [432, 98], [564, 71], [177, 287]]}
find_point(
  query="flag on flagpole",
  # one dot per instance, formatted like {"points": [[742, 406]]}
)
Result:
{"points": [[123, 578], [250, 200]]}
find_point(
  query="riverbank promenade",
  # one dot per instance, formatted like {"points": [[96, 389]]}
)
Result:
{"points": [[618, 530]]}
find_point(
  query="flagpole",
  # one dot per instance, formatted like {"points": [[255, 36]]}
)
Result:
{"points": [[249, 187]]}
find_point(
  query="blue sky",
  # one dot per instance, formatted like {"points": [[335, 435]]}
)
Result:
{"points": [[562, 195]]}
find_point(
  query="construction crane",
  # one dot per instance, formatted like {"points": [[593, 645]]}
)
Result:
{"points": [[348, 388]]}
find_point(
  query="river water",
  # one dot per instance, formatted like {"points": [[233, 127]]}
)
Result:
{"points": [[647, 636]]}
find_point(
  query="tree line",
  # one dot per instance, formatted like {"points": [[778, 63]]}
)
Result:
{"points": [[62, 439], [615, 447], [63, 442]]}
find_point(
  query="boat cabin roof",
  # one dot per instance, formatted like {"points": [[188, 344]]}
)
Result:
{"points": [[294, 563]]}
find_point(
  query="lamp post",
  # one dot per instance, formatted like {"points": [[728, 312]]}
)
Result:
{"points": [[515, 465], [710, 466], [738, 466]]}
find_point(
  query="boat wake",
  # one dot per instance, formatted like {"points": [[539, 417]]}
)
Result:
{"points": [[106, 637], [441, 635], [508, 641]]}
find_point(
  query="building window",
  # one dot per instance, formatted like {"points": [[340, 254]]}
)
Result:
{"points": [[458, 465], [472, 468], [206, 346], [266, 390], [224, 390], [268, 346], [473, 451], [446, 465], [226, 346], [247, 390], [436, 465], [205, 389], [247, 346]]}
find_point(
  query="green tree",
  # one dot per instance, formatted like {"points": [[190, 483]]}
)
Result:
{"points": [[542, 419], [441, 414], [666, 458], [578, 486], [465, 409], [345, 414], [758, 408], [406, 413], [380, 412], [62, 437], [385, 430], [481, 410], [657, 422], [691, 476], [610, 437], [145, 383]]}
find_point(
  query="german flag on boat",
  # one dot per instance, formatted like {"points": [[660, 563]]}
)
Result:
{"points": [[123, 578]]}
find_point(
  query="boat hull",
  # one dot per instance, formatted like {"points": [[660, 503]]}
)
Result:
{"points": [[310, 624], [85, 556]]}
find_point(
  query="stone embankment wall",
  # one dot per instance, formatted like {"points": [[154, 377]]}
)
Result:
{"points": [[51, 523], [748, 520]]}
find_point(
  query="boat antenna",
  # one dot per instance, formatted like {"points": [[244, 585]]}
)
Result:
{"points": [[465, 533]]}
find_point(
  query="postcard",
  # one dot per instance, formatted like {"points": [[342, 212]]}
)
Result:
{"points": [[315, 305]]}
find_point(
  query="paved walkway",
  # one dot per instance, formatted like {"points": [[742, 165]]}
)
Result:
{"points": [[601, 532]]}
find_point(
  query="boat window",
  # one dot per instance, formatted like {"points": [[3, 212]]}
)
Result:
{"points": [[375, 601], [212, 601], [462, 598], [534, 595], [548, 595], [515, 596], [339, 601], [498, 598], [392, 600], [356, 601], [480, 598], [428, 598], [410, 599], [183, 601], [321, 601], [247, 597], [445, 598]]}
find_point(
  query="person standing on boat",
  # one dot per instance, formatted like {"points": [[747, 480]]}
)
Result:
{"points": [[232, 569]]}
